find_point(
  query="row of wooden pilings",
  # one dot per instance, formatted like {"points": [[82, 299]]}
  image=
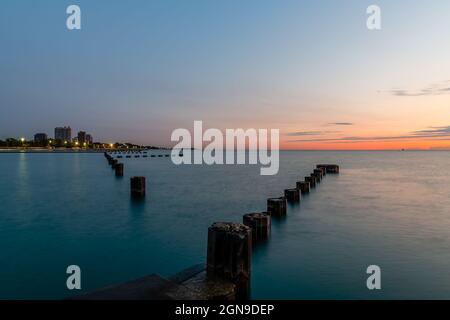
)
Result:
{"points": [[230, 244], [137, 184], [137, 154]]}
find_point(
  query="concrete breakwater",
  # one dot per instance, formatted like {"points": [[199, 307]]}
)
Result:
{"points": [[226, 273]]}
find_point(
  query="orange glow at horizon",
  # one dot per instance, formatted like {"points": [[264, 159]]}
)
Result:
{"points": [[368, 145]]}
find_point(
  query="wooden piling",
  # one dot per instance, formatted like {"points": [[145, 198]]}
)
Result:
{"points": [[260, 223], [229, 255], [276, 206], [137, 186], [319, 172], [315, 177], [303, 186], [324, 171], [311, 181], [330, 168], [114, 163], [292, 195], [119, 170]]}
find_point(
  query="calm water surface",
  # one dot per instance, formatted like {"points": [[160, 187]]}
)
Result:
{"points": [[391, 209]]}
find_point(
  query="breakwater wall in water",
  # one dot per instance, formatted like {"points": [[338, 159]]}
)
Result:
{"points": [[226, 274]]}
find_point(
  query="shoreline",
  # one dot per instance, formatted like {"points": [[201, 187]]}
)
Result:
{"points": [[70, 150]]}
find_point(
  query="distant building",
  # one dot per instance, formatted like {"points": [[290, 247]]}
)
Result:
{"points": [[89, 139], [63, 134], [81, 137], [40, 138]]}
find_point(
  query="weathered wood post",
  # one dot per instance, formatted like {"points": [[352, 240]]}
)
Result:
{"points": [[334, 169], [260, 223], [119, 170], [114, 163], [324, 171], [311, 181], [315, 177], [137, 186], [292, 195], [330, 168], [276, 206], [229, 255], [319, 173], [303, 186]]}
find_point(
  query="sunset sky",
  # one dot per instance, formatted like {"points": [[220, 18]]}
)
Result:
{"points": [[140, 69]]}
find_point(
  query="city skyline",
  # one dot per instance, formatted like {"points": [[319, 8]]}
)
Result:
{"points": [[312, 70]]}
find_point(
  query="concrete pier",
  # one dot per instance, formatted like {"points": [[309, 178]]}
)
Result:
{"points": [[303, 187], [276, 206], [260, 223], [292, 195], [330, 168], [229, 255], [137, 186], [119, 169], [189, 284]]}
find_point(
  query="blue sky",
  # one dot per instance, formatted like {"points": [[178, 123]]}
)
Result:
{"points": [[139, 69]]}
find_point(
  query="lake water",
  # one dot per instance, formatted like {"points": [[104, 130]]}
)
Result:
{"points": [[390, 209]]}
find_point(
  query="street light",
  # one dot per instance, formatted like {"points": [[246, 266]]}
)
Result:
{"points": [[22, 140]]}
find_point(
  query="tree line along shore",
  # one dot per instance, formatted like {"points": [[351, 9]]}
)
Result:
{"points": [[12, 144]]}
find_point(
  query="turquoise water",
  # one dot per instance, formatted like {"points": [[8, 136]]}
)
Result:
{"points": [[391, 209]]}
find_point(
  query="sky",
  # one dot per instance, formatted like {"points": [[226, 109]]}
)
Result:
{"points": [[137, 70]]}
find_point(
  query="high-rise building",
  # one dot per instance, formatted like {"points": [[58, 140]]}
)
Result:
{"points": [[89, 139], [40, 138], [81, 137], [63, 134]]}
